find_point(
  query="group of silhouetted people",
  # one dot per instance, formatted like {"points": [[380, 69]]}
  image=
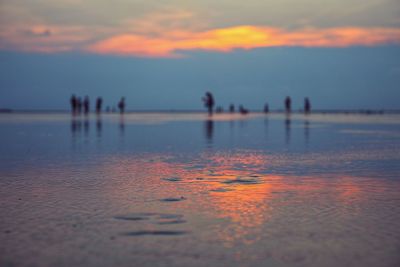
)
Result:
{"points": [[288, 105], [77, 105], [208, 100], [209, 103]]}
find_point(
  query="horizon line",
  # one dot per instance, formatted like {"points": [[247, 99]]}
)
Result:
{"points": [[360, 111]]}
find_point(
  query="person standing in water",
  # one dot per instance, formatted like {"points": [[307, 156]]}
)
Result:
{"points": [[307, 105], [73, 102], [86, 105], [99, 102], [79, 105], [288, 104], [231, 108], [266, 108], [208, 100], [121, 105]]}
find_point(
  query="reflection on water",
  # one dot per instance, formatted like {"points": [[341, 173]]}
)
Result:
{"points": [[306, 131], [162, 196], [266, 126], [75, 125], [247, 205], [122, 124], [78, 122], [86, 126], [99, 125], [287, 128], [209, 130]]}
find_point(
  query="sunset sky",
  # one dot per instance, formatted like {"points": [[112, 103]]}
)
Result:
{"points": [[166, 54]]}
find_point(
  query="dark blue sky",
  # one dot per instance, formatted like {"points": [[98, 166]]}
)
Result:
{"points": [[333, 78], [343, 54]]}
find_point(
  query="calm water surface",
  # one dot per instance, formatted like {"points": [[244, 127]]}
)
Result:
{"points": [[184, 190]]}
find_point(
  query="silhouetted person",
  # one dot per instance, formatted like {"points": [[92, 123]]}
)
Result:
{"points": [[79, 105], [121, 105], [86, 105], [208, 100], [242, 110], [219, 110], [288, 104], [231, 108], [307, 105], [73, 102], [266, 108], [99, 102]]}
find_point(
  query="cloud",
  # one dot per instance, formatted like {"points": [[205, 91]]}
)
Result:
{"points": [[165, 21], [172, 43], [38, 33], [170, 32], [154, 40], [43, 38]]}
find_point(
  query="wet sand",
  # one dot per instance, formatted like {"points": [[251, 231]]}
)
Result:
{"points": [[184, 190]]}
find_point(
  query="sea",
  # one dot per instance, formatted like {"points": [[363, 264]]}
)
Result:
{"points": [[186, 189]]}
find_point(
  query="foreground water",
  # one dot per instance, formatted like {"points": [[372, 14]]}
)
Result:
{"points": [[183, 190]]}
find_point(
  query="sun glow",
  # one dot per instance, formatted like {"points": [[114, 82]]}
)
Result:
{"points": [[242, 37], [171, 42]]}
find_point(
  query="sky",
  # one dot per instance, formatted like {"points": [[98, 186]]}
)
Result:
{"points": [[165, 54]]}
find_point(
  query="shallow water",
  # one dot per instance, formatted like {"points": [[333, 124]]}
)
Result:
{"points": [[183, 190]]}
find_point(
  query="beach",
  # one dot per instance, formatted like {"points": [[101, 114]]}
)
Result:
{"points": [[186, 189]]}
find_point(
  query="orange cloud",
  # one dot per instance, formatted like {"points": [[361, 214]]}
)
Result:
{"points": [[242, 37], [166, 38], [43, 38]]}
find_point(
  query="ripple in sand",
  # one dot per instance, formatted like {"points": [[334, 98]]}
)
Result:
{"points": [[135, 216], [156, 232], [169, 221], [221, 189], [194, 167], [172, 199], [242, 180], [173, 179], [155, 218]]}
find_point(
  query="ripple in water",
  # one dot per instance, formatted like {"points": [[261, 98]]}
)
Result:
{"points": [[172, 199], [242, 180], [173, 179], [157, 232], [155, 218], [221, 189]]}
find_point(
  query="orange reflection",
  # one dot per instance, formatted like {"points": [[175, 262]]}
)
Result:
{"points": [[234, 188]]}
